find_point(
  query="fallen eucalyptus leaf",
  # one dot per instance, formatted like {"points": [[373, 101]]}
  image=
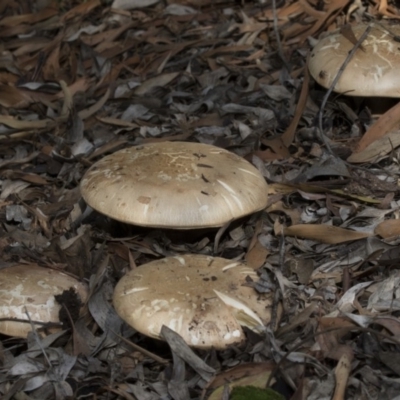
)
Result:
{"points": [[324, 233]]}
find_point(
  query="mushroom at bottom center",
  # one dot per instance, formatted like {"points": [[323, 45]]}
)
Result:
{"points": [[202, 298]]}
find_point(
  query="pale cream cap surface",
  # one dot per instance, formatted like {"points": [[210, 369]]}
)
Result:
{"points": [[32, 288], [174, 185], [373, 72], [184, 293]]}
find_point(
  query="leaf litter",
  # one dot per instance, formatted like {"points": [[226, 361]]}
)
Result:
{"points": [[79, 80]]}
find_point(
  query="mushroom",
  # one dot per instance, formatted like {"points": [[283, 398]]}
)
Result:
{"points": [[174, 185], [28, 288], [202, 298], [373, 71]]}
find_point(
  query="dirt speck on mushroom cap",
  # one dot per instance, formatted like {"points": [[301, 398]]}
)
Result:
{"points": [[174, 185]]}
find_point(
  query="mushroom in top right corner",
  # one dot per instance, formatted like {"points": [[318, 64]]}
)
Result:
{"points": [[370, 76], [373, 71]]}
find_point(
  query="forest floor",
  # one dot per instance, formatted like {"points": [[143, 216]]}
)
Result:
{"points": [[80, 80]]}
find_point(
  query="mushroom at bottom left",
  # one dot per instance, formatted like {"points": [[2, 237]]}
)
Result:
{"points": [[30, 289]]}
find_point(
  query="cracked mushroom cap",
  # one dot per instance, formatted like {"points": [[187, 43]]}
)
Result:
{"points": [[202, 298], [373, 71], [174, 185], [28, 287]]}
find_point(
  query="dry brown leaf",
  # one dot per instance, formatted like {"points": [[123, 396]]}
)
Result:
{"points": [[342, 373], [11, 96], [293, 213], [108, 147], [181, 136], [279, 150], [17, 124], [117, 122], [29, 18], [324, 233], [299, 319], [314, 188], [51, 68], [288, 136], [388, 228], [81, 9], [285, 13], [294, 30], [131, 4], [331, 330], [380, 148], [333, 9], [228, 49], [302, 267], [80, 85], [392, 324], [311, 11], [160, 80], [256, 256], [107, 36], [255, 374], [88, 112], [30, 178], [387, 122]]}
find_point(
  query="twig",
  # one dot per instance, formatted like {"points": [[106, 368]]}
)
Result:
{"points": [[335, 81], [277, 37], [37, 338], [142, 350], [218, 236]]}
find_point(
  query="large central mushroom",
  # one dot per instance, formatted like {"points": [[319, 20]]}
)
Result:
{"points": [[174, 185]]}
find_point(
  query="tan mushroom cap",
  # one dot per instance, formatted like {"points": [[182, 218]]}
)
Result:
{"points": [[28, 287], [174, 185], [199, 297], [372, 71]]}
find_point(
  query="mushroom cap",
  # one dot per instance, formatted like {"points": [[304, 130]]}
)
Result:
{"points": [[372, 71], [28, 287], [199, 297], [175, 185]]}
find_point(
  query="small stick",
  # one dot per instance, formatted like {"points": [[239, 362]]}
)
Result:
{"points": [[277, 37], [330, 90], [142, 350]]}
